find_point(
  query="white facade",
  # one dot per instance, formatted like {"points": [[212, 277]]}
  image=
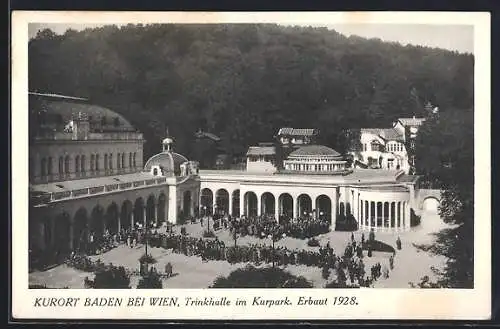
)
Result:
{"points": [[378, 199], [260, 164], [87, 180], [377, 152]]}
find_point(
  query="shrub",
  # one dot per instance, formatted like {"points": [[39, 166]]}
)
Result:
{"points": [[339, 285], [376, 245], [208, 234], [267, 277], [313, 242], [147, 259], [112, 278], [151, 280]]}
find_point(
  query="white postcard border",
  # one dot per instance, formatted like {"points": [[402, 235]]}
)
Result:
{"points": [[373, 303]]}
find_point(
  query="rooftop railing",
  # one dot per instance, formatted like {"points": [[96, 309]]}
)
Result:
{"points": [[43, 136], [95, 190]]}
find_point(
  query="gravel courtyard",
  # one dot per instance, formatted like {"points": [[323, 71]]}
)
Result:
{"points": [[410, 264]]}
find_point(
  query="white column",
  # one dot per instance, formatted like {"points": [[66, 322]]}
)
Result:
{"points": [[370, 214], [230, 210], [390, 214], [276, 208], [172, 204], [144, 219], [214, 202], [156, 213], [407, 217], [376, 215], [334, 210], [132, 218], [294, 206], [242, 203], [259, 205], [119, 221]]}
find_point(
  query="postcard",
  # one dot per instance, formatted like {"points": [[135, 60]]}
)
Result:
{"points": [[251, 165]]}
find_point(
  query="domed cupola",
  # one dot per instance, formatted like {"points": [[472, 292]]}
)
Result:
{"points": [[167, 163], [315, 159]]}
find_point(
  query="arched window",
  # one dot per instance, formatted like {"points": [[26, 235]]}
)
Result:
{"points": [[135, 159], [123, 160], [155, 171], [97, 162], [77, 163], [43, 169], [61, 165], [105, 162], [118, 161], [111, 161], [92, 162], [82, 163], [66, 164], [49, 166]]}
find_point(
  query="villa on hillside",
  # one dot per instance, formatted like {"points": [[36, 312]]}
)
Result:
{"points": [[387, 148]]}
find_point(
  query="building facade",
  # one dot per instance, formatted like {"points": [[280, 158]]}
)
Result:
{"points": [[87, 175], [388, 148], [87, 178]]}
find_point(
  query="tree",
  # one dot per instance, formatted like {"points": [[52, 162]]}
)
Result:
{"points": [[445, 151], [243, 82], [111, 277], [151, 280], [268, 277]]}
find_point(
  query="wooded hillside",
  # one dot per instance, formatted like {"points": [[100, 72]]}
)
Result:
{"points": [[243, 82]]}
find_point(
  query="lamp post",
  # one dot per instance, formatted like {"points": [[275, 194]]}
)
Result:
{"points": [[274, 237]]}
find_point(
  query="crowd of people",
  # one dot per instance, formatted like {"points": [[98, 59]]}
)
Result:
{"points": [[348, 265], [262, 226]]}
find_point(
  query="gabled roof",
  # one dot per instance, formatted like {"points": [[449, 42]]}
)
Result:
{"points": [[411, 121], [297, 131], [261, 150], [388, 134]]}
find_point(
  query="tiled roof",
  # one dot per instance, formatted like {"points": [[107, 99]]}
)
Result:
{"points": [[261, 150], [407, 178], [411, 121], [297, 131], [202, 134], [385, 133], [312, 150]]}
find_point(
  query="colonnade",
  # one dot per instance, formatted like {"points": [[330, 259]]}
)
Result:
{"points": [[383, 215], [65, 232], [238, 203]]}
